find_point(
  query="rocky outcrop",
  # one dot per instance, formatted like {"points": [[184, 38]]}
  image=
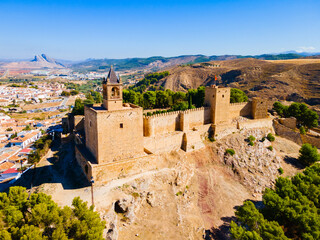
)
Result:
{"points": [[256, 166]]}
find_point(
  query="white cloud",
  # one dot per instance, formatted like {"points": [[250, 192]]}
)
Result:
{"points": [[305, 49]]}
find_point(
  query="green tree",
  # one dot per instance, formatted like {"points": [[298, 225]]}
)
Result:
{"points": [[78, 107], [308, 154], [65, 93], [236, 95], [162, 100], [38, 217], [149, 99], [74, 92]]}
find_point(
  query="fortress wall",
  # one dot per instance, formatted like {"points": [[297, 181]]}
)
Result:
{"points": [[289, 122], [193, 140], [259, 123], [161, 123], [286, 132], [239, 109], [78, 122], [84, 164], [164, 142], [313, 140], [194, 117], [103, 173], [90, 126], [223, 130], [259, 108]]}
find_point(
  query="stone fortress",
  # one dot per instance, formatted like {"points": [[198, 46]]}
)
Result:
{"points": [[117, 140]]}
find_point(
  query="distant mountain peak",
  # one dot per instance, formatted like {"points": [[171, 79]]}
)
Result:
{"points": [[45, 58]]}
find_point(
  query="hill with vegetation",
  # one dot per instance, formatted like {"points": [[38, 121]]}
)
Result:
{"points": [[295, 79], [158, 62]]}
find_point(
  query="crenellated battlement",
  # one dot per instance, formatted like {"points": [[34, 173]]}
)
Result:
{"points": [[176, 112], [239, 103]]}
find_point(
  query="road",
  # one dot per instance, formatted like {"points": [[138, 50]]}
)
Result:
{"points": [[64, 170]]}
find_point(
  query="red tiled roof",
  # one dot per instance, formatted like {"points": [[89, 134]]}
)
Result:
{"points": [[11, 170], [25, 150]]}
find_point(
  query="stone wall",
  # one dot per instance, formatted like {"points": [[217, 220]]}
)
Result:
{"points": [[161, 123], [103, 173], [91, 130], [286, 132], [78, 123], [193, 118], [289, 122], [175, 121], [313, 140], [256, 123], [164, 143], [239, 109], [82, 161], [222, 130]]}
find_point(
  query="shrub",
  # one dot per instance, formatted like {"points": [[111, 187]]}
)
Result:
{"points": [[302, 130], [251, 138], [251, 143], [308, 154], [270, 148], [263, 139], [230, 151], [179, 193], [211, 139], [280, 170], [270, 137]]}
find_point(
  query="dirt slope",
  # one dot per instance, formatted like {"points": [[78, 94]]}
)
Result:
{"points": [[193, 197]]}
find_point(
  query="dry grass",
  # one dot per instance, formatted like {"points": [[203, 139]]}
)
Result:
{"points": [[41, 115], [41, 105], [296, 61]]}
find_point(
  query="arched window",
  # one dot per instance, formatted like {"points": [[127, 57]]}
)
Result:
{"points": [[115, 93]]}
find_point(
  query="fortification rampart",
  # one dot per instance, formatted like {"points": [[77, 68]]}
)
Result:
{"points": [[194, 117], [175, 121], [161, 123], [222, 130], [286, 132], [313, 140], [239, 109]]}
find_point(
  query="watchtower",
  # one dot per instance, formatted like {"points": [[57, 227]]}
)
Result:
{"points": [[112, 91], [219, 101]]}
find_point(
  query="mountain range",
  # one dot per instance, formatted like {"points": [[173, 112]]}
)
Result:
{"points": [[154, 63], [38, 62], [157, 63]]}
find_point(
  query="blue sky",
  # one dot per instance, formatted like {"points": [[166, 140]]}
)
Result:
{"points": [[83, 29]]}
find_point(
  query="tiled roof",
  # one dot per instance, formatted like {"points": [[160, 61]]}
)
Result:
{"points": [[11, 170], [112, 77], [6, 165]]}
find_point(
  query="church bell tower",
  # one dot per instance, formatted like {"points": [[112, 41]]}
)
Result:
{"points": [[112, 91]]}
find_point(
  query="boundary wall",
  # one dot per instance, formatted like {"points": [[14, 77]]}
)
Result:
{"points": [[222, 130], [286, 132], [175, 121], [240, 109]]}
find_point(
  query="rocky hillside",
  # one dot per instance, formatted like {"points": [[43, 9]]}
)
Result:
{"points": [[296, 79], [38, 62], [192, 196]]}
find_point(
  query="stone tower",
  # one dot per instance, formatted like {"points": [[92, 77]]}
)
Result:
{"points": [[112, 91], [259, 108], [113, 131], [219, 101]]}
